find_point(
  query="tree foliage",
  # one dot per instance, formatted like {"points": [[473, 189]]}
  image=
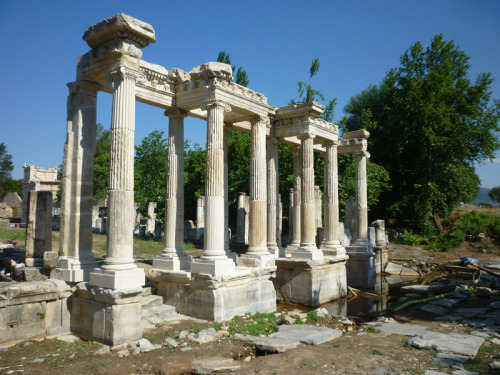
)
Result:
{"points": [[150, 172], [241, 74], [6, 165], [429, 126], [101, 164], [494, 194]]}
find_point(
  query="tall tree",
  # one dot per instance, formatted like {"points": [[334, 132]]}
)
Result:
{"points": [[101, 164], [241, 74], [150, 171], [429, 126], [6, 165], [494, 194]]}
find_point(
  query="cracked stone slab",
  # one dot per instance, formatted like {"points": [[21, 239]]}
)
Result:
{"points": [[448, 342], [307, 334], [210, 365], [471, 311], [401, 329], [434, 309], [449, 359], [268, 344]]}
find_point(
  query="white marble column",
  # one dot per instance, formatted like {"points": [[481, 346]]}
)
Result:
{"points": [[75, 241], [361, 199], [331, 245], [200, 216], [119, 269], [297, 199], [257, 236], [272, 196], [173, 256], [214, 260], [308, 249]]}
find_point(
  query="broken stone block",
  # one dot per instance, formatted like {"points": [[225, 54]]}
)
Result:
{"points": [[50, 259]]}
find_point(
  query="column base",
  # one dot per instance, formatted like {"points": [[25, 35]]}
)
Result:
{"points": [[262, 262], [360, 266], [74, 270], [311, 283], [112, 317], [213, 267], [302, 254], [117, 279], [216, 298], [173, 264], [333, 250]]}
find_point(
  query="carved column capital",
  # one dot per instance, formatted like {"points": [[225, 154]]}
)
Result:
{"points": [[306, 135], [176, 112], [365, 154], [124, 73], [216, 103], [331, 143]]}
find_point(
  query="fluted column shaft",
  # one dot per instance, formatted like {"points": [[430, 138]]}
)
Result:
{"points": [[361, 197], [226, 192], [119, 253], [332, 235], [297, 200], [214, 184], [257, 236], [308, 212], [272, 195], [174, 198]]}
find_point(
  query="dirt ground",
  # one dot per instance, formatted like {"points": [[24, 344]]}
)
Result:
{"points": [[355, 352]]}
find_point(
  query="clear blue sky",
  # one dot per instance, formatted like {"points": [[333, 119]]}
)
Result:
{"points": [[357, 42]]}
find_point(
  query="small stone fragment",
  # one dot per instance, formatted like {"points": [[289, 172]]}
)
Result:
{"points": [[38, 360], [170, 342]]}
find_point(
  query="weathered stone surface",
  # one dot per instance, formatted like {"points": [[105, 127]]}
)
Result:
{"points": [[207, 335], [495, 365], [210, 365], [269, 344], [170, 342], [451, 342], [145, 345], [393, 328], [429, 289], [449, 359], [50, 259], [393, 268], [306, 334], [445, 302], [434, 309]]}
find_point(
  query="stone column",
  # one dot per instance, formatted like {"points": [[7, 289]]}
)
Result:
{"points": [[331, 245], [318, 208], [308, 249], [227, 249], [38, 227], [241, 234], [119, 269], [297, 187], [173, 256], [214, 260], [75, 235], [200, 216], [272, 196], [361, 199]]}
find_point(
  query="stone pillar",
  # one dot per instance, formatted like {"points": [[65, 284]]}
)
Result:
{"points": [[173, 256], [332, 245], [290, 216], [297, 187], [361, 199], [75, 235], [272, 196], [38, 227], [308, 249], [214, 260], [241, 233], [200, 216], [318, 206], [119, 270]]}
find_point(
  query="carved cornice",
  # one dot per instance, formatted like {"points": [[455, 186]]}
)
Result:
{"points": [[313, 109], [212, 70], [356, 134]]}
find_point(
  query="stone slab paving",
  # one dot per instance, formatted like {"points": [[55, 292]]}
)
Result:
{"points": [[434, 309], [445, 302], [211, 365], [307, 334], [268, 344], [393, 328], [448, 342]]}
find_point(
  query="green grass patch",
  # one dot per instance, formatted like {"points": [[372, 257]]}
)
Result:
{"points": [[371, 329], [375, 352], [481, 362], [256, 324]]}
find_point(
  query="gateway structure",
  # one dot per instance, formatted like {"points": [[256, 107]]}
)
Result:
{"points": [[219, 285]]}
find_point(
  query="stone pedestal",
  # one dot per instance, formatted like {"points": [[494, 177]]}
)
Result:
{"points": [[111, 317], [360, 267], [217, 298], [311, 283]]}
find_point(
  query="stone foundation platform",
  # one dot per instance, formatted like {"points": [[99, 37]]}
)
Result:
{"points": [[361, 267], [217, 298], [111, 317], [311, 282]]}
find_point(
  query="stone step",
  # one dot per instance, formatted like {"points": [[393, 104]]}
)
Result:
{"points": [[151, 300]]}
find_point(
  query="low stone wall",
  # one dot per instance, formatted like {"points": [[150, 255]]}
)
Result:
{"points": [[33, 309]]}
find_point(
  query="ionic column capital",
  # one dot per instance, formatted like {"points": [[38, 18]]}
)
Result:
{"points": [[176, 112], [306, 135], [124, 73], [331, 143], [259, 119], [365, 154], [216, 104]]}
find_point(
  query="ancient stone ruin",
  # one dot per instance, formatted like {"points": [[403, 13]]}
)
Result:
{"points": [[105, 304]]}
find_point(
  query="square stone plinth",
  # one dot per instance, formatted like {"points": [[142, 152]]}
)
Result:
{"points": [[173, 264], [213, 267], [311, 283], [217, 298], [111, 317], [361, 268], [117, 279]]}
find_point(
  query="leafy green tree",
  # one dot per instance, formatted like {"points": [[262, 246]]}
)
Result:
{"points": [[429, 126], [150, 172], [241, 74], [494, 194], [101, 164], [6, 165], [195, 159]]}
